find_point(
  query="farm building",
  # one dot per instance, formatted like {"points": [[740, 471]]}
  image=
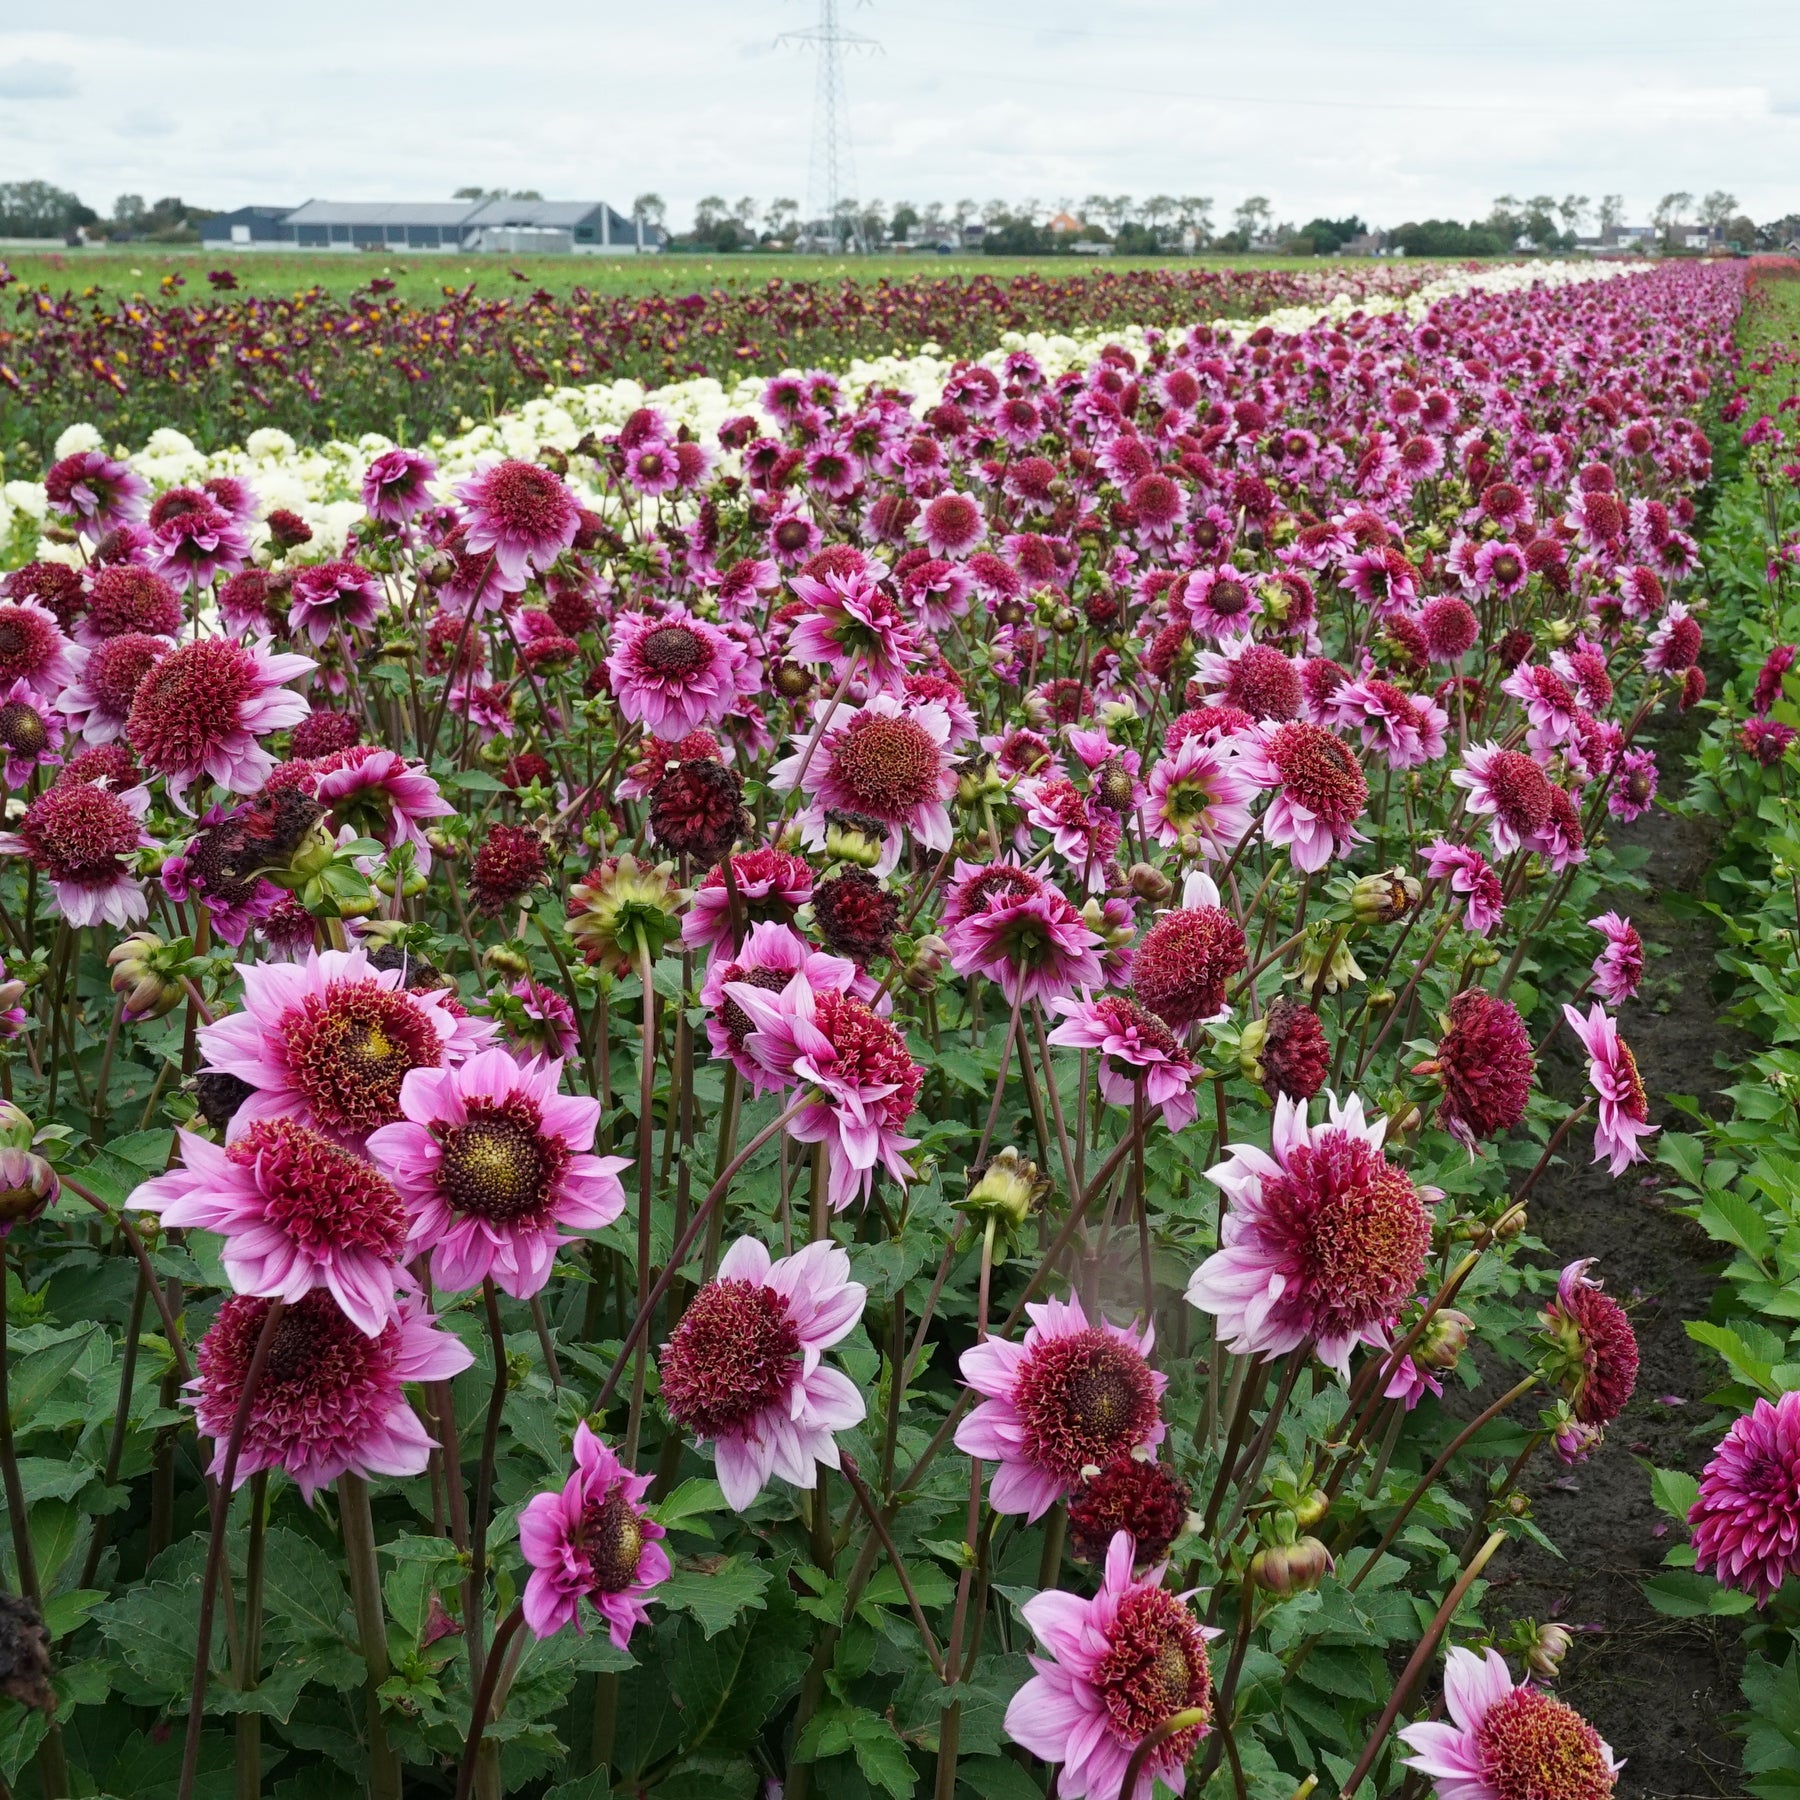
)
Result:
{"points": [[507, 227]]}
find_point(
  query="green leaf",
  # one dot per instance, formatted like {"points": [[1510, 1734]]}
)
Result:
{"points": [[730, 1683], [303, 1590], [996, 1778], [693, 1499], [716, 1597], [1681, 1594], [1755, 1370], [1731, 1219], [34, 1377], [1674, 1492]]}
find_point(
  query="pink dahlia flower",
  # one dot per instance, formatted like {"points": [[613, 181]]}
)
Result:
{"points": [[200, 710], [1747, 1519], [886, 761], [97, 701], [1219, 603], [852, 622], [33, 647], [1507, 788], [952, 525], [328, 595], [1199, 791], [1320, 790], [549, 1027], [865, 1077], [1120, 1667], [521, 515], [772, 886], [1507, 1743], [330, 1040], [744, 1368], [194, 544], [593, 1539], [1024, 935], [673, 673], [31, 733], [296, 1211], [1467, 871], [769, 958], [1633, 788], [1134, 1045], [331, 1400], [95, 492], [1323, 1241], [1067, 1397], [78, 834], [493, 1163], [1405, 730], [1624, 1109], [382, 795], [397, 484], [1619, 967]]}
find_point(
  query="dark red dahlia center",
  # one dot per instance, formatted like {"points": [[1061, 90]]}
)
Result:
{"points": [[889, 765], [1319, 771], [1520, 790], [792, 535], [188, 704], [349, 1049], [731, 1357], [1533, 1747], [612, 1540], [738, 1023], [320, 1195], [1083, 1400], [526, 498], [78, 832], [1155, 1667], [673, 650], [500, 1167], [1228, 598]]}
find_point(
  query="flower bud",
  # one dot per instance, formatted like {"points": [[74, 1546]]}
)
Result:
{"points": [[1443, 1341], [1327, 957], [1549, 1645], [28, 1185], [143, 976], [1285, 1569], [1008, 1189], [1150, 883], [505, 961], [925, 965], [1110, 714], [1382, 899], [16, 1127], [847, 840], [1310, 1508], [792, 681]]}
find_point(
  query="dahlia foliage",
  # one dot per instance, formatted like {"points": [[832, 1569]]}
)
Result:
{"points": [[814, 1101]]}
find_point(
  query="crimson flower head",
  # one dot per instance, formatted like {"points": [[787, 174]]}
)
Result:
{"points": [[1130, 1493], [1181, 968], [1593, 1352], [1485, 1064], [697, 809], [520, 515], [125, 598], [507, 866], [94, 492], [79, 834]]}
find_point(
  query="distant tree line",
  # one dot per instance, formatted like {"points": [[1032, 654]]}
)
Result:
{"points": [[37, 209]]}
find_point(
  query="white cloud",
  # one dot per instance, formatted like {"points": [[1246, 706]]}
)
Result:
{"points": [[29, 79]]}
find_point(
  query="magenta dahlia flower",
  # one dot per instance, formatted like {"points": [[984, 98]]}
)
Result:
{"points": [[1467, 871], [1023, 934], [1503, 1742], [772, 886], [594, 1540], [1633, 790], [1619, 967], [743, 1366], [1323, 1242], [1593, 1351], [1067, 1397], [1507, 788], [1747, 1519], [94, 492], [200, 710], [380, 794], [769, 958], [886, 762], [1320, 790], [1404, 730], [493, 1164], [296, 1211], [520, 515], [329, 1042], [195, 541], [1624, 1106], [31, 733], [328, 595], [852, 622], [865, 1079], [79, 834], [1199, 791], [673, 673], [1120, 1667], [106, 678], [331, 1400], [397, 484], [1135, 1045], [33, 647], [952, 525]]}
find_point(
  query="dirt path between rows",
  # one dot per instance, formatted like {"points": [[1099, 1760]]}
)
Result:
{"points": [[1658, 1689]]}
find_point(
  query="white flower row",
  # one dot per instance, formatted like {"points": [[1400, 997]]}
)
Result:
{"points": [[321, 482]]}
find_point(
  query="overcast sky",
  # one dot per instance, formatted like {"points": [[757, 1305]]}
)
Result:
{"points": [[1395, 108]]}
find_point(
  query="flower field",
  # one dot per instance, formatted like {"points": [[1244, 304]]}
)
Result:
{"points": [[847, 1081]]}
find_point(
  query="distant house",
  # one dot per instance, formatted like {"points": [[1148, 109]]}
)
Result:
{"points": [[505, 227], [1365, 243], [1064, 222]]}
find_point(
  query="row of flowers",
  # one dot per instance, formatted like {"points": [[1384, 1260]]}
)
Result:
{"points": [[1201, 759]]}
